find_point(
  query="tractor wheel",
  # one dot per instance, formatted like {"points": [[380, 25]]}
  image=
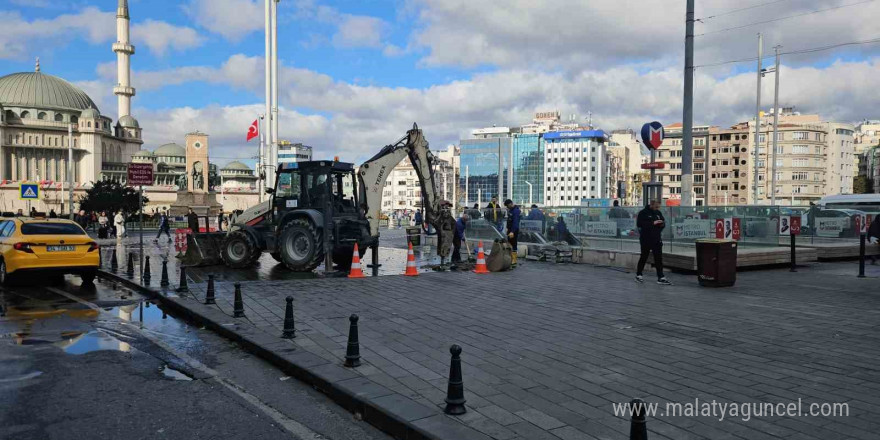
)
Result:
{"points": [[239, 250], [301, 246]]}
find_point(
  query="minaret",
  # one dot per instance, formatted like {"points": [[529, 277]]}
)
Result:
{"points": [[124, 51]]}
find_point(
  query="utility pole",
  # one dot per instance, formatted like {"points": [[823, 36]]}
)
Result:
{"points": [[757, 118], [70, 169], [266, 160], [775, 128], [273, 153], [687, 141]]}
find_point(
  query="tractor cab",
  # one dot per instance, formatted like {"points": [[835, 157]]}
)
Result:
{"points": [[311, 185]]}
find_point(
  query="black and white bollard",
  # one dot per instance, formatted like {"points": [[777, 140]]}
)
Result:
{"points": [[114, 265], [130, 270], [147, 269], [289, 324], [455, 390], [353, 352], [638, 429], [209, 295], [238, 304], [862, 255], [182, 287], [164, 282]]}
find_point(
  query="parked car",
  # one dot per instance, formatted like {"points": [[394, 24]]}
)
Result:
{"points": [[46, 246]]}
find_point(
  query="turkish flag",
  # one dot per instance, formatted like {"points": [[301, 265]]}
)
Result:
{"points": [[253, 130]]}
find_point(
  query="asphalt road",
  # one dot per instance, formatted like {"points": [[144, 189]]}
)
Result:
{"points": [[104, 363]]}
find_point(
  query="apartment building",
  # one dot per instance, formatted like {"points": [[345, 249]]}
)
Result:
{"points": [[728, 161], [626, 139], [671, 153], [403, 190]]}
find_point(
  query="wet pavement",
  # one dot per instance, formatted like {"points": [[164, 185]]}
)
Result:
{"points": [[104, 362], [392, 260]]}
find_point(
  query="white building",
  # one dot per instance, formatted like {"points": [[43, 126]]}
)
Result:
{"points": [[574, 166], [292, 153], [403, 190]]}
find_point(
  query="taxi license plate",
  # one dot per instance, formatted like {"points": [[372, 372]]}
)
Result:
{"points": [[60, 248]]}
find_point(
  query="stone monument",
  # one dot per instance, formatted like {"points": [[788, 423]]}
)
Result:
{"points": [[193, 190]]}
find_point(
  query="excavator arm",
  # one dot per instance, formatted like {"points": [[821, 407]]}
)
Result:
{"points": [[374, 172]]}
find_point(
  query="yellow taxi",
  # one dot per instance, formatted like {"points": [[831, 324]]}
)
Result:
{"points": [[46, 246]]}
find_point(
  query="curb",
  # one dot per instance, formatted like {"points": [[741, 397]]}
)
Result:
{"points": [[393, 413]]}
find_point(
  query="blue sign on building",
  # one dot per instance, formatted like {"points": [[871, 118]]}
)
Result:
{"points": [[575, 134]]}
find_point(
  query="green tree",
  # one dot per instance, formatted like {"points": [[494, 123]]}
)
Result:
{"points": [[111, 197]]}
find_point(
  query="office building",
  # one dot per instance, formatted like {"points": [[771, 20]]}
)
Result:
{"points": [[291, 153], [575, 166], [484, 162]]}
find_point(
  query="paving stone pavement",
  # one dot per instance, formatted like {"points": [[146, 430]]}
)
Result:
{"points": [[548, 349]]}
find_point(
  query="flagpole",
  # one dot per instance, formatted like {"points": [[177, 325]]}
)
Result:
{"points": [[261, 166], [268, 89]]}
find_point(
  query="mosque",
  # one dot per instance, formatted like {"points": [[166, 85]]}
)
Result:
{"points": [[43, 117]]}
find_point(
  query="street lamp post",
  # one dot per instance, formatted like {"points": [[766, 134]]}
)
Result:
{"points": [[70, 169], [530, 192]]}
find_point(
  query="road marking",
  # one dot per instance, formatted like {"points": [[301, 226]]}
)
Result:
{"points": [[299, 430]]}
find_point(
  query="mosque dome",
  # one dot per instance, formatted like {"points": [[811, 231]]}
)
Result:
{"points": [[41, 91], [171, 149]]}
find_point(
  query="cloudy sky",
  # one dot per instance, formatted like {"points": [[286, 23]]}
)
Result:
{"points": [[355, 74]]}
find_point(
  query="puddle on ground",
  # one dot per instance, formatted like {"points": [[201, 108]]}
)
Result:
{"points": [[94, 340]]}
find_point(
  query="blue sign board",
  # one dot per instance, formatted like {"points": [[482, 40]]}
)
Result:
{"points": [[575, 134], [29, 191]]}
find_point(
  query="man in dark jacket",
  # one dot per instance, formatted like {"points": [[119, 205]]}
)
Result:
{"points": [[192, 220], [164, 226], [513, 217], [460, 227], [874, 235], [651, 223]]}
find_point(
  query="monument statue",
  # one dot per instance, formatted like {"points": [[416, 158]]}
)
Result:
{"points": [[181, 182]]}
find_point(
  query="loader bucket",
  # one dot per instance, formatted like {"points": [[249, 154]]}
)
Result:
{"points": [[500, 259], [203, 249]]}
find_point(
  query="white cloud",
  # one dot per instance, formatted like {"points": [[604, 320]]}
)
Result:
{"points": [[160, 36], [22, 38], [350, 31], [360, 119], [233, 19], [591, 35]]}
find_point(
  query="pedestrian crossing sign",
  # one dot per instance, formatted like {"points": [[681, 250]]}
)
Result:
{"points": [[29, 191]]}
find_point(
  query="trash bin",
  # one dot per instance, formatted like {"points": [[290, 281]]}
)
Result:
{"points": [[414, 236], [716, 262]]}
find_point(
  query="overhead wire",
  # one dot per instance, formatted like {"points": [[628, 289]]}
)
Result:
{"points": [[734, 11], [783, 18], [794, 52]]}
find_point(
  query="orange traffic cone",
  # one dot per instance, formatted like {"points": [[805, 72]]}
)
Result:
{"points": [[356, 271], [481, 260], [411, 269]]}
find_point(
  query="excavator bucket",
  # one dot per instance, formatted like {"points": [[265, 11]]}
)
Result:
{"points": [[500, 259], [203, 249]]}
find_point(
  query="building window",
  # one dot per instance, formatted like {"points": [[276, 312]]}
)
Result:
{"points": [[25, 114], [41, 116], [59, 117], [800, 149], [800, 135]]}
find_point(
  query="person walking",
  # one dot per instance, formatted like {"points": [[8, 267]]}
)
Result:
{"points": [[119, 223], [460, 226], [651, 223], [220, 218], [874, 235], [418, 219], [164, 226], [103, 221], [83, 220], [513, 217]]}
